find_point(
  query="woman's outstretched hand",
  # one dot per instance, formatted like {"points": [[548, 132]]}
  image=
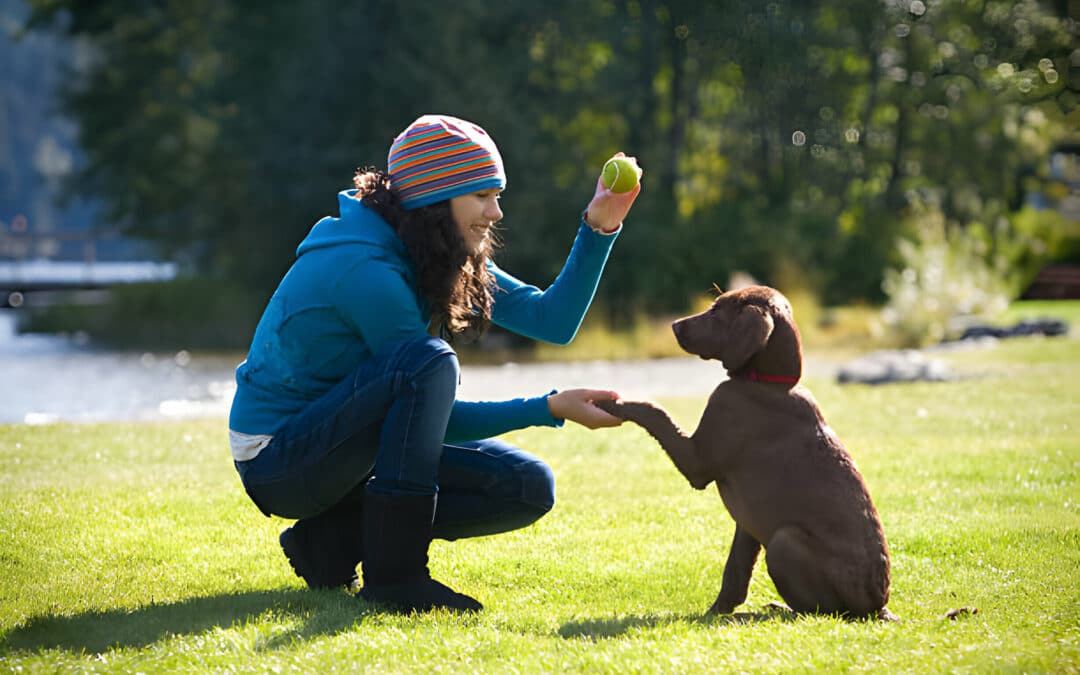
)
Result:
{"points": [[608, 209], [576, 405]]}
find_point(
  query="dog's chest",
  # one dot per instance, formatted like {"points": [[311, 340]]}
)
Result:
{"points": [[760, 446], [737, 423]]}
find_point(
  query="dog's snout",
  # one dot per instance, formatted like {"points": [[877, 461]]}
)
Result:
{"points": [[677, 327], [682, 331]]}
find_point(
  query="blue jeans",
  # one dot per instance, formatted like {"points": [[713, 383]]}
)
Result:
{"points": [[382, 430]]}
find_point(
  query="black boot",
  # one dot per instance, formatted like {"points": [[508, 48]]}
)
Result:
{"points": [[324, 550], [397, 532]]}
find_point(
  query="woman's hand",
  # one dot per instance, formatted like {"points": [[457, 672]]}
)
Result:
{"points": [[576, 405], [608, 209]]}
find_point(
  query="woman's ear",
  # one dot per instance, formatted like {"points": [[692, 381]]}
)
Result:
{"points": [[746, 335]]}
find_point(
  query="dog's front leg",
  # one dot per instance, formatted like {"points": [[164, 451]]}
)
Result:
{"points": [[672, 439], [737, 571]]}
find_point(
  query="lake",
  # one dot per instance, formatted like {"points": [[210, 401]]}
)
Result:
{"points": [[47, 378], [51, 378]]}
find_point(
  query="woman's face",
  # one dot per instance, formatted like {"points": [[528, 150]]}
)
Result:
{"points": [[475, 214]]}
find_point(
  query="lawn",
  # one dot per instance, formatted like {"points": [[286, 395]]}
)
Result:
{"points": [[132, 548]]}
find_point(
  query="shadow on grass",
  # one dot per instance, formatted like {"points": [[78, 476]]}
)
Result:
{"points": [[310, 613], [601, 629]]}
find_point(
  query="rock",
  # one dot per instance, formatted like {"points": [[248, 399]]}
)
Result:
{"points": [[884, 367], [1046, 327]]}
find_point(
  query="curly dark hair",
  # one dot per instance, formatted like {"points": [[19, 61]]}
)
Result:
{"points": [[454, 282]]}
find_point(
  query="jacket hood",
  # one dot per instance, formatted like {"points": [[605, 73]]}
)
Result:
{"points": [[357, 224]]}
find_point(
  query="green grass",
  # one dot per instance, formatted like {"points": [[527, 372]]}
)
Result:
{"points": [[131, 547], [1068, 311]]}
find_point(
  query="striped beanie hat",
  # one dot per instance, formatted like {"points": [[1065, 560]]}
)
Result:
{"points": [[438, 157]]}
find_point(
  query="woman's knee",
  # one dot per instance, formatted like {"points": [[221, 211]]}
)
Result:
{"points": [[538, 486], [427, 359]]}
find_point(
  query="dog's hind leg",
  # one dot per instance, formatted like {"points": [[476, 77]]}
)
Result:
{"points": [[800, 575], [672, 439], [813, 579], [737, 571]]}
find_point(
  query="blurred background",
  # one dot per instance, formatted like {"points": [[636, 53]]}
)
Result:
{"points": [[897, 167]]}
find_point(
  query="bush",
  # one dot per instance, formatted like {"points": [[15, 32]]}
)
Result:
{"points": [[950, 274], [186, 313]]}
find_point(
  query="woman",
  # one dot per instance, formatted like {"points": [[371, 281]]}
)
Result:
{"points": [[345, 415]]}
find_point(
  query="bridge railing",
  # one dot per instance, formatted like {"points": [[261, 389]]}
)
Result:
{"points": [[35, 262]]}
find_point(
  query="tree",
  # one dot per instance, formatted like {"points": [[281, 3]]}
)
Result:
{"points": [[778, 136]]}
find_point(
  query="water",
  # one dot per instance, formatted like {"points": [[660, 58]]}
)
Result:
{"points": [[49, 378]]}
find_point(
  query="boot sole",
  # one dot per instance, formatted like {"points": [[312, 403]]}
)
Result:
{"points": [[408, 598], [303, 567]]}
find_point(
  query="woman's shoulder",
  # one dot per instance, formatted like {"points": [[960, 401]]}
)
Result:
{"points": [[356, 263]]}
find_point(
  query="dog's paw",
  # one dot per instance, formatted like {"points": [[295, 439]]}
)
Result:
{"points": [[610, 407], [886, 615], [722, 607], [628, 410]]}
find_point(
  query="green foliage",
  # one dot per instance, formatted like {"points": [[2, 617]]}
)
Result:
{"points": [[132, 548], [943, 276], [187, 313], [949, 275], [1032, 237], [771, 134]]}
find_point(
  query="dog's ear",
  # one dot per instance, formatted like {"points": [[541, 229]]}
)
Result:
{"points": [[747, 335]]}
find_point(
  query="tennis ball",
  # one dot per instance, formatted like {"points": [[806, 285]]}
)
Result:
{"points": [[620, 174]]}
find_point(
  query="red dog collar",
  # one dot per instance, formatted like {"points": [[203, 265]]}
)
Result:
{"points": [[755, 376]]}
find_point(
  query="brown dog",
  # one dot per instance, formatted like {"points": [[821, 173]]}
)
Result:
{"points": [[781, 471]]}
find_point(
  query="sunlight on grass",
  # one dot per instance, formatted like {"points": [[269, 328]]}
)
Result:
{"points": [[131, 547]]}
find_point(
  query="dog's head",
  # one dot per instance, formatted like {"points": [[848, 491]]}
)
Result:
{"points": [[749, 330]]}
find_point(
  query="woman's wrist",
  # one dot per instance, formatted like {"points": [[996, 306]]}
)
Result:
{"points": [[596, 228], [550, 407]]}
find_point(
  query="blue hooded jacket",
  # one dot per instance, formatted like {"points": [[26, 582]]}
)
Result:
{"points": [[351, 292]]}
